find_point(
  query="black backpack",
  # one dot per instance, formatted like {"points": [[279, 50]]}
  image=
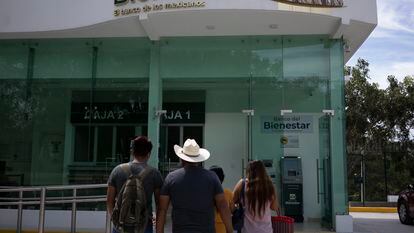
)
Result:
{"points": [[237, 218], [130, 211]]}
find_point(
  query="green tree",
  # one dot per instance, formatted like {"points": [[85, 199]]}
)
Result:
{"points": [[380, 125]]}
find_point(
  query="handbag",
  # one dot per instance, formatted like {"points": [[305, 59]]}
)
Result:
{"points": [[237, 218]]}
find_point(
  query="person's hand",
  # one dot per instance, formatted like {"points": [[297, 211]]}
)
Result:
{"points": [[154, 220], [278, 211]]}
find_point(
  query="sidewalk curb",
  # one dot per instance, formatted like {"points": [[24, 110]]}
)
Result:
{"points": [[373, 209]]}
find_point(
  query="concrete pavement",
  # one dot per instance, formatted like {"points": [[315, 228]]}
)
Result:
{"points": [[379, 223]]}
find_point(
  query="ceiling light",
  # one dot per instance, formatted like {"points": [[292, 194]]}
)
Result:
{"points": [[210, 27], [273, 26]]}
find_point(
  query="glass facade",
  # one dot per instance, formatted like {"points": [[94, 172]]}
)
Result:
{"points": [[70, 106], [65, 103]]}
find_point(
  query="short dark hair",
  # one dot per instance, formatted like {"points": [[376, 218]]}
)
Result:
{"points": [[219, 172], [141, 146]]}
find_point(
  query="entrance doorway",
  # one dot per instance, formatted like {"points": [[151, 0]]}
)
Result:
{"points": [[174, 134], [307, 136], [98, 148], [324, 171]]}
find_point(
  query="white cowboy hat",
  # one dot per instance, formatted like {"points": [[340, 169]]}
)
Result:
{"points": [[191, 152]]}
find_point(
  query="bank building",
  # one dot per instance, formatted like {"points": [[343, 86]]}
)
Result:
{"points": [[248, 79]]}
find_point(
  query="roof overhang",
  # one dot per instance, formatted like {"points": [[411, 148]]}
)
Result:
{"points": [[274, 19]]}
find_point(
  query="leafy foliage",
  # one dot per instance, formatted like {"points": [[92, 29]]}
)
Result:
{"points": [[380, 127]]}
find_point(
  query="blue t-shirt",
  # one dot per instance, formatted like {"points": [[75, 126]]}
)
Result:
{"points": [[192, 191]]}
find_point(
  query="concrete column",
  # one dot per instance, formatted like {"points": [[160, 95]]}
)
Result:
{"points": [[154, 101]]}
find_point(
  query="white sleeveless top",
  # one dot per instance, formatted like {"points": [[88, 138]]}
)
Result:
{"points": [[255, 224]]}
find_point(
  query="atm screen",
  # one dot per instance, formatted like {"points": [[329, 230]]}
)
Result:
{"points": [[291, 173]]}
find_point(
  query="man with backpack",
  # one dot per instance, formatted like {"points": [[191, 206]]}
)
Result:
{"points": [[130, 190], [194, 193]]}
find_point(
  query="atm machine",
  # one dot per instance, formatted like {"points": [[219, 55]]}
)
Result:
{"points": [[292, 187]]}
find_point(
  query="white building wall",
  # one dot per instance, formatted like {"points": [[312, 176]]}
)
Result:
{"points": [[225, 138], [46, 15]]}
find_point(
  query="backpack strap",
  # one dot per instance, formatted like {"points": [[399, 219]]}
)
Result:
{"points": [[126, 168], [242, 201], [144, 172]]}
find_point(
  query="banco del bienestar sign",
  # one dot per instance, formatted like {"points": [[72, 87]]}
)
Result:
{"points": [[314, 3]]}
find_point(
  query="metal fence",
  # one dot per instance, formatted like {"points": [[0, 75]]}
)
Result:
{"points": [[374, 175], [43, 199]]}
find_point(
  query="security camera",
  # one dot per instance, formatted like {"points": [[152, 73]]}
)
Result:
{"points": [[328, 112], [347, 48]]}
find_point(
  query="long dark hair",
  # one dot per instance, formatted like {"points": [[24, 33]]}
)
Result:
{"points": [[260, 189]]}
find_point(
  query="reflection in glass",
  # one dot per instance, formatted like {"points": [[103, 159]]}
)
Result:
{"points": [[193, 132], [124, 135], [84, 143], [104, 147], [173, 138]]}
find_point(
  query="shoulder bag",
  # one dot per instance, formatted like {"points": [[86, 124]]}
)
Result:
{"points": [[238, 213]]}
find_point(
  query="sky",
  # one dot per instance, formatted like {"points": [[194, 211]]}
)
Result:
{"points": [[390, 48]]}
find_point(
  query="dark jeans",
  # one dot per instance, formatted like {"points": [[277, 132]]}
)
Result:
{"points": [[147, 230]]}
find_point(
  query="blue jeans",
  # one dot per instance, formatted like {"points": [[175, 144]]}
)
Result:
{"points": [[147, 230]]}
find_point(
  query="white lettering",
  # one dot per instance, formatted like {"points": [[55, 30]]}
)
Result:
{"points": [[120, 115], [96, 115], [178, 115], [169, 117], [87, 115], [111, 115]]}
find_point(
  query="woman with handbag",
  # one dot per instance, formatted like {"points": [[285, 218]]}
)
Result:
{"points": [[259, 199]]}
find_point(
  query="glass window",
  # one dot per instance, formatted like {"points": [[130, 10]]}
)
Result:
{"points": [[84, 143], [123, 59], [306, 73], [171, 135], [220, 57], [193, 132], [47, 135], [63, 59], [105, 141], [216, 73], [13, 59], [124, 135], [173, 138]]}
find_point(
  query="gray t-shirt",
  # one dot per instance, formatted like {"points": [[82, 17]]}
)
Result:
{"points": [[152, 181], [192, 191]]}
